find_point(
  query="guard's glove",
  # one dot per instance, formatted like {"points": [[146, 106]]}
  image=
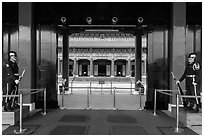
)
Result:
{"points": [[178, 82], [17, 81], [20, 78]]}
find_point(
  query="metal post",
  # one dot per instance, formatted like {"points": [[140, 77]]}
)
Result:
{"points": [[101, 88], [71, 86], [88, 108], [45, 105], [131, 87], [90, 88], [62, 107], [177, 129], [155, 102], [114, 108], [21, 130], [7, 98], [140, 99], [111, 88]]}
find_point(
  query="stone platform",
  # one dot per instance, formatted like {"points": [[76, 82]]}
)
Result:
{"points": [[13, 117], [187, 118]]}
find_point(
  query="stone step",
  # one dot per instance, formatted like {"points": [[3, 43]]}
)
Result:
{"points": [[185, 117], [13, 117]]}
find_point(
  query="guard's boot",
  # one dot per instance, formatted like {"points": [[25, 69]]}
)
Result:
{"points": [[16, 105], [184, 104], [7, 107], [188, 106], [195, 109]]}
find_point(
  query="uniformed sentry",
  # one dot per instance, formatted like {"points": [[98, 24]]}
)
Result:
{"points": [[12, 81], [190, 75]]}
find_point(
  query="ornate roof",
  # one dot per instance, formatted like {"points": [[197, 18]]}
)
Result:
{"points": [[101, 34]]}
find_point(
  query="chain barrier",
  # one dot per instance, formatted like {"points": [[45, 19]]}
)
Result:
{"points": [[90, 91], [176, 129], [20, 96]]}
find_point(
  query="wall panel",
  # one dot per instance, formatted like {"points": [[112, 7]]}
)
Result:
{"points": [[47, 62], [157, 71]]}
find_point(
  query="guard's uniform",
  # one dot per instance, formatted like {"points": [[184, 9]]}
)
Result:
{"points": [[11, 70], [190, 76]]}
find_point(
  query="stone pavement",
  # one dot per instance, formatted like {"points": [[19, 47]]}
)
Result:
{"points": [[100, 118], [101, 122]]}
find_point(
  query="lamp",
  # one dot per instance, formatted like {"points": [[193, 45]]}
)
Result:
{"points": [[114, 20], [89, 20], [140, 19]]}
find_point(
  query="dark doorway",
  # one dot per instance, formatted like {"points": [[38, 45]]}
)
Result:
{"points": [[70, 70], [133, 71], [119, 70], [84, 70], [101, 70]]}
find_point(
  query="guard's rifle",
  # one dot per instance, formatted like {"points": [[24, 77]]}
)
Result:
{"points": [[183, 101], [16, 88], [195, 90], [7, 98]]}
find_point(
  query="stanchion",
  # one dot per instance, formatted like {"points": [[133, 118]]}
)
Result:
{"points": [[88, 108], [62, 107], [130, 88], [111, 88], [21, 130], [155, 102], [140, 99], [45, 105], [177, 129], [114, 108], [90, 88], [71, 86], [101, 88]]}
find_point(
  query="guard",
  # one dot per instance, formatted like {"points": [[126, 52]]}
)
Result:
{"points": [[12, 81], [190, 75]]}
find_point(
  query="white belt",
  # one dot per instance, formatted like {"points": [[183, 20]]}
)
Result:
{"points": [[190, 76]]}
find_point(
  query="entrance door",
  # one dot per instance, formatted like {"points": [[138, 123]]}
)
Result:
{"points": [[101, 70], [84, 66], [102, 67], [119, 70], [84, 70]]}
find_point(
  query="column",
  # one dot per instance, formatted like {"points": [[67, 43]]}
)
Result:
{"points": [[26, 51], [58, 66], [138, 55], [75, 67], [91, 67], [112, 67], [178, 44], [128, 68], [65, 52]]}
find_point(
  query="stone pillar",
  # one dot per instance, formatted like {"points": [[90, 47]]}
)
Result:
{"points": [[65, 52], [91, 67], [75, 67], [128, 68], [27, 48], [178, 43], [112, 67], [138, 55], [58, 66]]}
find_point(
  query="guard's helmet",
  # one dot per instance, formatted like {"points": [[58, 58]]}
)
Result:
{"points": [[12, 53], [192, 55]]}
